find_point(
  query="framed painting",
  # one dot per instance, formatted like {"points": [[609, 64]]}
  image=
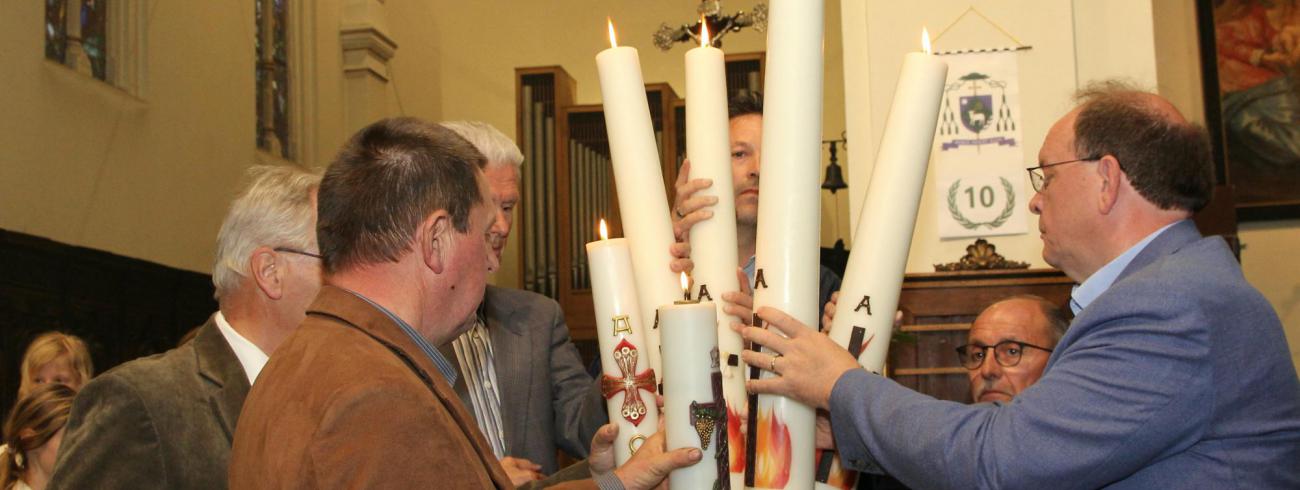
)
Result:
{"points": [[1250, 62]]}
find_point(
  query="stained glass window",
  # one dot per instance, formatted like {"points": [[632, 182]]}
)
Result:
{"points": [[272, 76], [76, 34], [56, 30], [94, 36]]}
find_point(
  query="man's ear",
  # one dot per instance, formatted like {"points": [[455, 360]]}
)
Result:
{"points": [[1112, 178], [435, 236], [263, 268]]}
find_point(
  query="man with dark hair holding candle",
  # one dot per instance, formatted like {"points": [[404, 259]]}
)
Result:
{"points": [[358, 397], [746, 114], [1173, 374]]}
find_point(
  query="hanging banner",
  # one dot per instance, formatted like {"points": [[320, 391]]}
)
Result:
{"points": [[979, 164]]}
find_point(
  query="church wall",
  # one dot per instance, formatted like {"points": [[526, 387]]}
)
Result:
{"points": [[148, 177]]}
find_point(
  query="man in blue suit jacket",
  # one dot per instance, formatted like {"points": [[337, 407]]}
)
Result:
{"points": [[1174, 374]]}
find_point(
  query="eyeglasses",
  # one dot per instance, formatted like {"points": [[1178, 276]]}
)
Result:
{"points": [[1037, 179], [297, 252], [1007, 353]]}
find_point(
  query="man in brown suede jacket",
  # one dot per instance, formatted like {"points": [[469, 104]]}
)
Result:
{"points": [[358, 397]]}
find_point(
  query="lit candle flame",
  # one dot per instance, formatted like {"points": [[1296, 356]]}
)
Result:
{"points": [[925, 40], [604, 230], [686, 285], [704, 33], [613, 41]]}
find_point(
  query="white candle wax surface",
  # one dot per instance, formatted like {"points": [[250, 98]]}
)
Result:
{"points": [[789, 224], [713, 241], [874, 275], [621, 335], [638, 177], [694, 410]]}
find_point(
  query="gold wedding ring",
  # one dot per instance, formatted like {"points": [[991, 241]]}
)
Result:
{"points": [[772, 367]]}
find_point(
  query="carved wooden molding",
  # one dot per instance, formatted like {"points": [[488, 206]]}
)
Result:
{"points": [[981, 255]]}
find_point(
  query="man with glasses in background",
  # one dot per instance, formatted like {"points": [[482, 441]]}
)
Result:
{"points": [[1019, 334]]}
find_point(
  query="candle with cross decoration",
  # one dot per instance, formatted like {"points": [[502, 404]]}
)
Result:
{"points": [[694, 410], [627, 381]]}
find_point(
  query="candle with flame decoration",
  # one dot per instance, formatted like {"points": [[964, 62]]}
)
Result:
{"points": [[695, 413], [627, 381], [713, 241], [864, 319], [787, 268], [638, 178]]}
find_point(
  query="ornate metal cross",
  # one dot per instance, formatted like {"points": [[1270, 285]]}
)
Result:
{"points": [[634, 408]]}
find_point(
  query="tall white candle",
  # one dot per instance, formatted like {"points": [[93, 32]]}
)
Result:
{"points": [[789, 226], [713, 241], [638, 176], [694, 410], [627, 382], [873, 277]]}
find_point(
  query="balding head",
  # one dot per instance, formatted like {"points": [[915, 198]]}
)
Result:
{"points": [[1166, 159]]}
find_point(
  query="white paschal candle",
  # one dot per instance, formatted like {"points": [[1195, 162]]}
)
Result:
{"points": [[713, 241], [873, 278], [694, 411], [789, 228], [638, 177], [621, 335]]}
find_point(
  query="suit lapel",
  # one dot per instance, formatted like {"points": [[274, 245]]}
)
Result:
{"points": [[349, 308], [512, 349], [217, 364]]}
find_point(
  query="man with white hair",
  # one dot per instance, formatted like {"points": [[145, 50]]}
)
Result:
{"points": [[520, 374], [166, 421]]}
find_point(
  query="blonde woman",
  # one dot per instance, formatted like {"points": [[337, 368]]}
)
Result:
{"points": [[55, 357], [32, 434]]}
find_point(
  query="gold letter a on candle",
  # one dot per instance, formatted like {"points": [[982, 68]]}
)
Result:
{"points": [[622, 325], [758, 279]]}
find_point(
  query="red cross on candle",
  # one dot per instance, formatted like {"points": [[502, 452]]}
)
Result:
{"points": [[634, 408]]}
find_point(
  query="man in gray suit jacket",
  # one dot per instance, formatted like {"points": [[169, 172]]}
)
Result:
{"points": [[167, 421], [1174, 374], [520, 375]]}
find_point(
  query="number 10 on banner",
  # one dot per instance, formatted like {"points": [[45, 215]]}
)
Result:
{"points": [[985, 205]]}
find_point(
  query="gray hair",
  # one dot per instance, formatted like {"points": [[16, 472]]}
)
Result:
{"points": [[274, 209], [495, 146], [1057, 321]]}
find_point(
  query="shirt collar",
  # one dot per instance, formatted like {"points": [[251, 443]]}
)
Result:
{"points": [[1092, 287], [444, 366], [250, 356]]}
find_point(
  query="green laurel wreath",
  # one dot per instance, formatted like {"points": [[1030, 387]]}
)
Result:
{"points": [[971, 225]]}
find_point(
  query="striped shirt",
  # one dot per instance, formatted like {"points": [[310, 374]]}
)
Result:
{"points": [[474, 352]]}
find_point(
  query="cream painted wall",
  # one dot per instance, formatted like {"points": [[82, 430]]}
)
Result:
{"points": [[149, 177]]}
